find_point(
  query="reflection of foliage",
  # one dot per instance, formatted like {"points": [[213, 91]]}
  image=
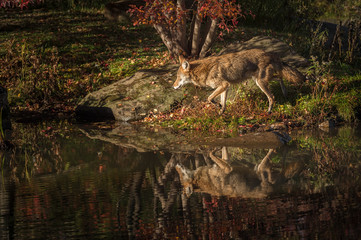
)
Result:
{"points": [[332, 155], [47, 148]]}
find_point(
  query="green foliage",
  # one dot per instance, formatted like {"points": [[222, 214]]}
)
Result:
{"points": [[142, 58], [332, 93], [279, 11], [347, 104]]}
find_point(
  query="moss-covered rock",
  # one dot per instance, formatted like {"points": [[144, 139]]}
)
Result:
{"points": [[134, 97]]}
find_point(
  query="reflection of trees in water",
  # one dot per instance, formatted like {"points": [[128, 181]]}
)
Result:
{"points": [[202, 215], [46, 148], [134, 206], [335, 155], [165, 186], [170, 207], [37, 151], [151, 203]]}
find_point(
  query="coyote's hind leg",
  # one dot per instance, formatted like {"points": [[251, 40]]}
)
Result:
{"points": [[262, 81]]}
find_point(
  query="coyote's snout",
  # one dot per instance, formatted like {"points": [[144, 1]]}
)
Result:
{"points": [[221, 71]]}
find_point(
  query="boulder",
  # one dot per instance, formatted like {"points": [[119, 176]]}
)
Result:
{"points": [[273, 45], [134, 97]]}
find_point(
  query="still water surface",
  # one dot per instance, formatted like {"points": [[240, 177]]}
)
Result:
{"points": [[75, 182]]}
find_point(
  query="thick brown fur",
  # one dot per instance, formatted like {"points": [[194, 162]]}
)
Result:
{"points": [[221, 71]]}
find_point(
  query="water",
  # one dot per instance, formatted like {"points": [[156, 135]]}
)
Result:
{"points": [[78, 182]]}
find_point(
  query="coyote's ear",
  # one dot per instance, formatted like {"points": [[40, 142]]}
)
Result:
{"points": [[184, 63], [181, 59]]}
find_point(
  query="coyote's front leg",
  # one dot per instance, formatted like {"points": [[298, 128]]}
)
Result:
{"points": [[222, 163], [265, 167], [220, 90]]}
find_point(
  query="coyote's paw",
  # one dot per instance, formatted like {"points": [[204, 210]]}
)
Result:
{"points": [[219, 106], [216, 104], [221, 111]]}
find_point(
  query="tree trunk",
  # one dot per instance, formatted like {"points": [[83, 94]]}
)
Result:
{"points": [[182, 26], [209, 40], [166, 37], [196, 34]]}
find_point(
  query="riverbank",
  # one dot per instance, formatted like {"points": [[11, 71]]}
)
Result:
{"points": [[53, 59]]}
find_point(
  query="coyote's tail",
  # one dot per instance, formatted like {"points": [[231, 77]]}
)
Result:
{"points": [[291, 74]]}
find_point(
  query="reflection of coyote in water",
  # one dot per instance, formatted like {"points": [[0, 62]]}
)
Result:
{"points": [[221, 179]]}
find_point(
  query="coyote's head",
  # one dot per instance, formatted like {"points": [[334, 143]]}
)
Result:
{"points": [[183, 75], [186, 178]]}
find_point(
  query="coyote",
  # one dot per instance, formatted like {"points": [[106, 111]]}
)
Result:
{"points": [[221, 179], [220, 72]]}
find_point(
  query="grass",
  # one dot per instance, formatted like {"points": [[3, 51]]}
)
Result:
{"points": [[54, 58]]}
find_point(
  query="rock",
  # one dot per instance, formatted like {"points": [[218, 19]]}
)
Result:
{"points": [[117, 11], [268, 44], [5, 109], [134, 97]]}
